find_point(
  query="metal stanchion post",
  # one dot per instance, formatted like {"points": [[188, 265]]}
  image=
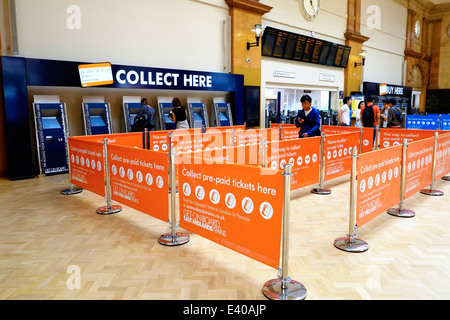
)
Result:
{"points": [[446, 178], [401, 211], [350, 243], [322, 156], [283, 287], [109, 208], [263, 152], [72, 188], [431, 191], [173, 238]]}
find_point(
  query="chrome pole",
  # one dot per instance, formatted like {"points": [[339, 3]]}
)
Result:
{"points": [[322, 162], [109, 208], [283, 287], [431, 191], [401, 211], [173, 238], [350, 243]]}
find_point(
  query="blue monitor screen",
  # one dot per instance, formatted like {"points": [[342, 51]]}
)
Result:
{"points": [[166, 117], [198, 117], [97, 121], [50, 123], [223, 116]]}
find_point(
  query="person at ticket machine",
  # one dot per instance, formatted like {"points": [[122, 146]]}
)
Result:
{"points": [[308, 119], [144, 118]]}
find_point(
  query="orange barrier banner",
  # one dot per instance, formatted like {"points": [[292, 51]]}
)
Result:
{"points": [[255, 136], [289, 133], [419, 157], [131, 139], [367, 140], [378, 182], [367, 135], [302, 154], [442, 156], [139, 179], [393, 137], [337, 151], [159, 140], [337, 129], [245, 155], [237, 206], [227, 128], [87, 165]]}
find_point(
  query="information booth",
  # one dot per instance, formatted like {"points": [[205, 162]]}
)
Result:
{"points": [[131, 108], [97, 118], [197, 114], [382, 91], [221, 115], [51, 135]]}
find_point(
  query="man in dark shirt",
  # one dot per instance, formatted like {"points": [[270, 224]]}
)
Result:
{"points": [[308, 119]]}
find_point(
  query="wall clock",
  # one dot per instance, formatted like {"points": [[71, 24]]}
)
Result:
{"points": [[310, 8]]}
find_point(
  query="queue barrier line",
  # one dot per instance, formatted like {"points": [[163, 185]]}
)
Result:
{"points": [[426, 152]]}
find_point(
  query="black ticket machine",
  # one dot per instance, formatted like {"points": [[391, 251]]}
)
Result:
{"points": [[198, 115], [164, 109], [51, 137], [97, 118], [130, 110], [222, 114]]}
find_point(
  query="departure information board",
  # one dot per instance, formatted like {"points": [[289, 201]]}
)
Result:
{"points": [[95, 74], [288, 45]]}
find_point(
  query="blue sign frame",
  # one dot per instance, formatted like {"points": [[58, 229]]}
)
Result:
{"points": [[17, 73]]}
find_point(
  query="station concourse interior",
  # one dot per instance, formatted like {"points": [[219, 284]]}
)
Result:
{"points": [[219, 58]]}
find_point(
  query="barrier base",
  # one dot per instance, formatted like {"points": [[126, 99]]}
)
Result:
{"points": [[351, 245], [432, 192], [321, 191], [446, 178], [71, 191], [295, 290], [109, 209], [403, 213], [168, 239]]}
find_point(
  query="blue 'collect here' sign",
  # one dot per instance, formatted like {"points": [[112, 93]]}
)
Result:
{"points": [[430, 122]]}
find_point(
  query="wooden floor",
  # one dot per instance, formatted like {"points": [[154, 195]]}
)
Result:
{"points": [[48, 239]]}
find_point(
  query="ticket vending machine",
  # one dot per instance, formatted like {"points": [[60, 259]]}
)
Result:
{"points": [[130, 110], [198, 115], [222, 114], [165, 106], [51, 137], [97, 118]]}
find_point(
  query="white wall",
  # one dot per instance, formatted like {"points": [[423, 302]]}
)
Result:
{"points": [[386, 28], [178, 34]]}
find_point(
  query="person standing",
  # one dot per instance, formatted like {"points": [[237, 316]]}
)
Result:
{"points": [[147, 112], [308, 119], [344, 112], [384, 115], [179, 115], [370, 116], [395, 118], [358, 114]]}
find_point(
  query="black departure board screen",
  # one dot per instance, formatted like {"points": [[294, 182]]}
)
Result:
{"points": [[288, 45], [316, 51], [309, 47], [280, 44], [331, 55], [268, 41], [301, 43], [338, 56], [324, 53], [345, 57]]}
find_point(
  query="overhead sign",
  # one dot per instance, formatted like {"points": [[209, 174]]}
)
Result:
{"points": [[95, 74]]}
